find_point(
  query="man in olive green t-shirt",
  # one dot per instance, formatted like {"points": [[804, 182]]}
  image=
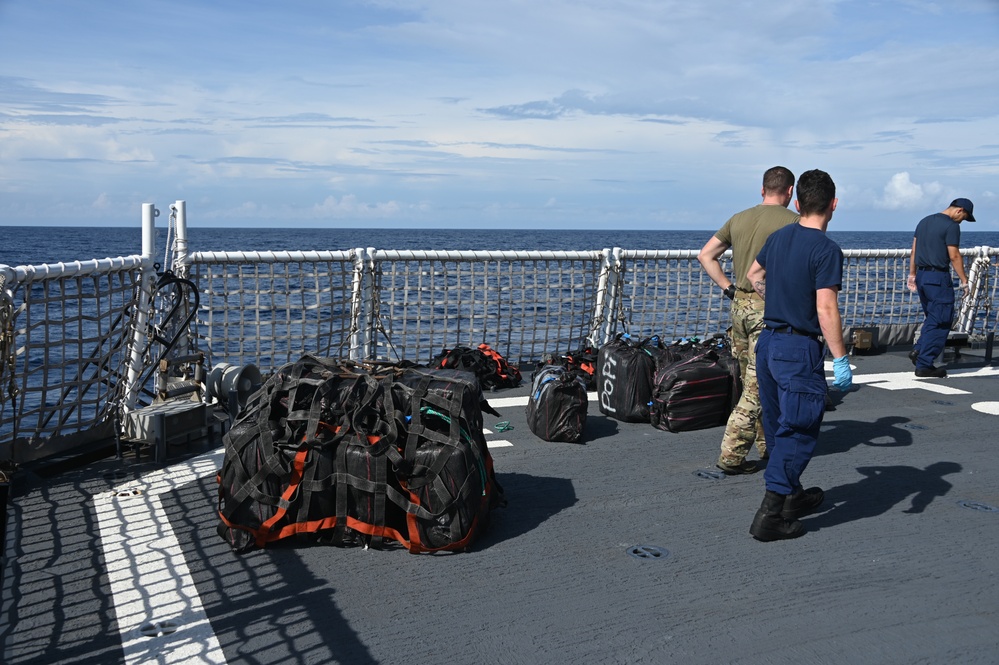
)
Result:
{"points": [[745, 233]]}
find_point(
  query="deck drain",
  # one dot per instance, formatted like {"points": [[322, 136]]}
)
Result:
{"points": [[943, 402], [974, 505], [648, 552], [158, 629], [709, 474], [914, 426]]}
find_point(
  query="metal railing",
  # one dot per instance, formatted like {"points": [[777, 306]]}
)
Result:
{"points": [[75, 338]]}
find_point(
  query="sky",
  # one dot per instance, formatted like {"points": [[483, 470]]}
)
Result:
{"points": [[556, 114]]}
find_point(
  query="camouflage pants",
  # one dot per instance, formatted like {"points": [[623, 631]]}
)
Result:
{"points": [[745, 426]]}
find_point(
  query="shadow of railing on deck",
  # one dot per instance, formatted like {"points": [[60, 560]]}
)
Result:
{"points": [[264, 605]]}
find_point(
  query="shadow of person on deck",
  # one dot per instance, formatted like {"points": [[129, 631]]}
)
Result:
{"points": [[881, 488], [839, 436]]}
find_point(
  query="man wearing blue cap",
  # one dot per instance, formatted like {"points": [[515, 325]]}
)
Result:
{"points": [[935, 248]]}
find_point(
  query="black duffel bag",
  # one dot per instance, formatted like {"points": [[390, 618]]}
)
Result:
{"points": [[695, 392], [625, 368], [556, 408]]}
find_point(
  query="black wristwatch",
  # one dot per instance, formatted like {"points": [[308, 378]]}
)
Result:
{"points": [[730, 291]]}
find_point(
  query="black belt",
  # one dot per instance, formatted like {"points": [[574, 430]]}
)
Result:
{"points": [[788, 330], [932, 269]]}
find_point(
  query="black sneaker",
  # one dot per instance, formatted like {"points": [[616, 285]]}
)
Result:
{"points": [[931, 372], [913, 355]]}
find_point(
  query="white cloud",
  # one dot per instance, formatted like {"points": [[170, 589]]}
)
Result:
{"points": [[901, 193], [590, 113], [348, 206]]}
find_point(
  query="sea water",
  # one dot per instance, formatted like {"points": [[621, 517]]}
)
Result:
{"points": [[22, 245]]}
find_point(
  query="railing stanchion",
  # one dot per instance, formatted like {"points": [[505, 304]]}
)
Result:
{"points": [[362, 294], [140, 319], [180, 259]]}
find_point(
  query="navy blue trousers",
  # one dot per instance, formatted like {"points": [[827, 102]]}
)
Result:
{"points": [[936, 295], [792, 380]]}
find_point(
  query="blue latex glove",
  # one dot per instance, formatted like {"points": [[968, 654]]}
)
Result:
{"points": [[842, 373]]}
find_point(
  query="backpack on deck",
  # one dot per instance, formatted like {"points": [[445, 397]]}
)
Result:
{"points": [[344, 457], [696, 391], [582, 362], [490, 368], [625, 369], [556, 408]]}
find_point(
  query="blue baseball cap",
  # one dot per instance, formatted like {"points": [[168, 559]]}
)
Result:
{"points": [[968, 206]]}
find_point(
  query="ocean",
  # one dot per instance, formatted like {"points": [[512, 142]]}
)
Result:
{"points": [[23, 245]]}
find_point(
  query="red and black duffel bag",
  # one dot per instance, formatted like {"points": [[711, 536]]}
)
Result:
{"points": [[490, 368], [696, 391]]}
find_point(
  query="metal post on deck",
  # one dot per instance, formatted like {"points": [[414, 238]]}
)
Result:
{"points": [[610, 284], [977, 275], [140, 320], [178, 215], [362, 292], [179, 208], [595, 335]]}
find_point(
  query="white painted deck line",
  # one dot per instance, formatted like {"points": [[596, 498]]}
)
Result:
{"points": [[504, 402], [150, 581], [908, 380]]}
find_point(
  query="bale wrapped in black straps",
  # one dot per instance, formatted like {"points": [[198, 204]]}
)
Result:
{"points": [[348, 455]]}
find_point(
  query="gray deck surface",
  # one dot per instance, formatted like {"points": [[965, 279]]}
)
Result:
{"points": [[894, 567]]}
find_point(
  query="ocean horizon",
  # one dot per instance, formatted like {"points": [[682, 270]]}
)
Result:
{"points": [[24, 245]]}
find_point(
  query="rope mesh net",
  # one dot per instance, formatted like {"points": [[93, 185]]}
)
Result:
{"points": [[255, 309], [667, 293], [65, 330], [522, 305], [70, 339]]}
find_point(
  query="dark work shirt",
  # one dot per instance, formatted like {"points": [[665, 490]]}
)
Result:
{"points": [[799, 261], [934, 234]]}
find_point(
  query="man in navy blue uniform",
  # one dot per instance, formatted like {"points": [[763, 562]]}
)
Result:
{"points": [[935, 247], [798, 272]]}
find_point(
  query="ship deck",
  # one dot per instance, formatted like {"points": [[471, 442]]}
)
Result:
{"points": [[627, 548]]}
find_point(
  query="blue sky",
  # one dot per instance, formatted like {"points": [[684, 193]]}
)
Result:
{"points": [[627, 114]]}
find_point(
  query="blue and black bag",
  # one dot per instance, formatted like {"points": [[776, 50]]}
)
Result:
{"points": [[556, 408]]}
